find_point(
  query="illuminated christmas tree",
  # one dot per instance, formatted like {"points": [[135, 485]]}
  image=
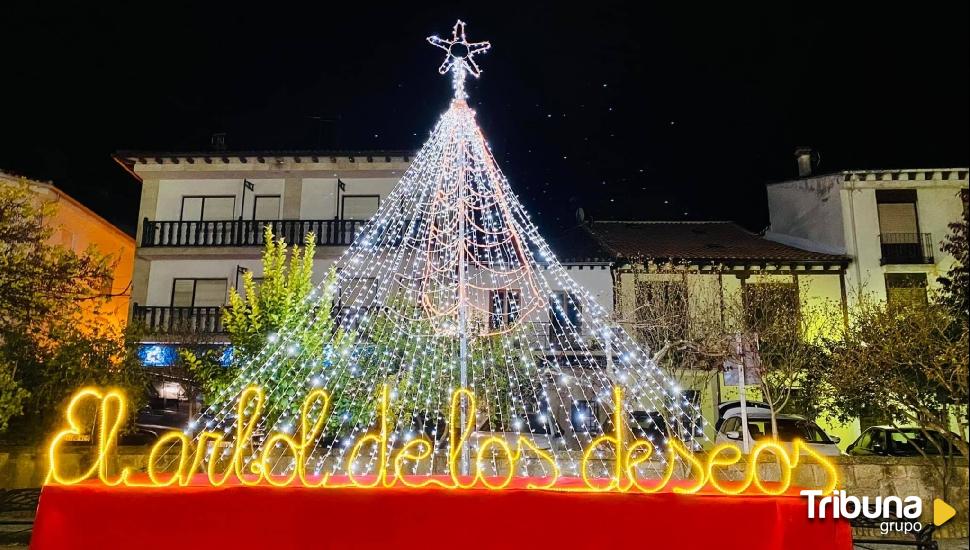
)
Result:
{"points": [[451, 286]]}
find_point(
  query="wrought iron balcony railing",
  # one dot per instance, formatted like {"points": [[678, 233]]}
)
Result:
{"points": [[246, 232], [906, 248], [173, 320]]}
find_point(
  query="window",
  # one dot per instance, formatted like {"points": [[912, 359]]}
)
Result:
{"points": [[257, 281], [565, 312], [648, 425], [690, 424], [788, 429], [661, 311], [199, 292], [358, 291], [504, 305], [157, 355], [904, 440], [905, 289], [814, 434], [583, 415], [897, 211], [266, 207], [355, 298], [197, 208], [359, 207], [67, 239], [770, 307], [732, 424], [910, 441], [877, 440], [107, 285]]}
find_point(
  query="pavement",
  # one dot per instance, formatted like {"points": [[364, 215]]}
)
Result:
{"points": [[15, 529], [949, 544]]}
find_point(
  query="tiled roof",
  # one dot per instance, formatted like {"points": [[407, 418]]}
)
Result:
{"points": [[577, 245], [714, 242]]}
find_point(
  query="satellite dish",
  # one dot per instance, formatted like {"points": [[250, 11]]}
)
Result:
{"points": [[580, 215]]}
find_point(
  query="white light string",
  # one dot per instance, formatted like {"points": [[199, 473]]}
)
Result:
{"points": [[402, 274]]}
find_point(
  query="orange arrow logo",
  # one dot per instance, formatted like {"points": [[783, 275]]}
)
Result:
{"points": [[942, 512]]}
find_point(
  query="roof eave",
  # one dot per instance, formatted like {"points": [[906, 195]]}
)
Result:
{"points": [[840, 263], [120, 161]]}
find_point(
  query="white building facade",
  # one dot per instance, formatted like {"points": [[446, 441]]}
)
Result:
{"points": [[891, 223], [202, 217]]}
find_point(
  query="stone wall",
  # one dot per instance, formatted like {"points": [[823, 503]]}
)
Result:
{"points": [[885, 476], [860, 476]]}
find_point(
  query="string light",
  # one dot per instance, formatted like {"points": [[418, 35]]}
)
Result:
{"points": [[459, 57]]}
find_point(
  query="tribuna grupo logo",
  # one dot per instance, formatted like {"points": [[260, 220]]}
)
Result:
{"points": [[899, 514]]}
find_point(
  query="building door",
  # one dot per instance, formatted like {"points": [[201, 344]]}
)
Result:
{"points": [[214, 208], [266, 207], [359, 207], [200, 215], [199, 292], [197, 305], [899, 234]]}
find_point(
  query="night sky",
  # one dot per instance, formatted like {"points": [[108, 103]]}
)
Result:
{"points": [[631, 113]]}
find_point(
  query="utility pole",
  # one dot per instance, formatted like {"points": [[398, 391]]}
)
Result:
{"points": [[462, 303]]}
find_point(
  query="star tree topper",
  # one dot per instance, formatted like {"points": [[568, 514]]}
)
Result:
{"points": [[459, 56]]}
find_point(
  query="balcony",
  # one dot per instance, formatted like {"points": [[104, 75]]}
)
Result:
{"points": [[246, 232], [171, 320], [906, 248]]}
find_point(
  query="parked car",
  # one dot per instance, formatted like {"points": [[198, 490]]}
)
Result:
{"points": [[139, 436], [892, 441], [541, 428], [727, 406], [789, 427]]}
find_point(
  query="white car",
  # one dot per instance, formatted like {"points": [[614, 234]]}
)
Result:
{"points": [[789, 428]]}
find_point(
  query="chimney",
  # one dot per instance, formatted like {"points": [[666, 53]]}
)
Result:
{"points": [[219, 141], [803, 157]]}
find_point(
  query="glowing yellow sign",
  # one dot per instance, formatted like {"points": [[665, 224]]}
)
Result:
{"points": [[227, 460]]}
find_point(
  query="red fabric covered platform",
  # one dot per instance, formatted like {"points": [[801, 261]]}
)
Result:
{"points": [[90, 515]]}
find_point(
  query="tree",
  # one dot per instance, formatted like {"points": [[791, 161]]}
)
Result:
{"points": [[41, 282], [903, 362], [51, 337], [283, 302], [512, 372], [786, 334], [683, 329], [12, 395], [955, 286], [73, 355]]}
